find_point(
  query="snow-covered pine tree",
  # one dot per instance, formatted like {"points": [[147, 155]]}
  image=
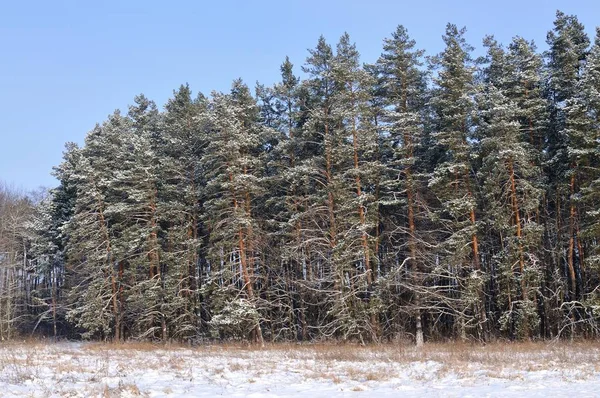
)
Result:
{"points": [[525, 87], [48, 260], [320, 168], [355, 156], [568, 45], [452, 179], [285, 195], [48, 247], [583, 132], [589, 95], [511, 193], [93, 255], [234, 169], [403, 93], [317, 172], [184, 140], [135, 182]]}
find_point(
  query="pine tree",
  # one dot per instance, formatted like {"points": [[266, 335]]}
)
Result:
{"points": [[583, 131], [524, 85], [512, 191], [182, 194], [317, 171], [452, 178], [568, 44], [404, 96], [356, 207], [320, 130], [286, 199], [135, 183], [49, 266], [49, 242], [93, 253], [234, 179], [589, 95]]}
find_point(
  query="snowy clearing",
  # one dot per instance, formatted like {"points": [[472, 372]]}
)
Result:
{"points": [[144, 370]]}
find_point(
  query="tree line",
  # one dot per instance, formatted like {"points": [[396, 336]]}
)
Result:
{"points": [[417, 197]]}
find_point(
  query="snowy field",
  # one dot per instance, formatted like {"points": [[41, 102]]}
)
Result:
{"points": [[449, 370]]}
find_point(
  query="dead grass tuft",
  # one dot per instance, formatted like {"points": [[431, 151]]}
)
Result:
{"points": [[122, 389], [235, 367]]}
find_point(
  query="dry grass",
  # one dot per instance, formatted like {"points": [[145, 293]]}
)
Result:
{"points": [[531, 355], [109, 370], [502, 360], [122, 389], [18, 366], [142, 346]]}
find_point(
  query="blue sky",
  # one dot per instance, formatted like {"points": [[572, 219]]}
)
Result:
{"points": [[66, 65]]}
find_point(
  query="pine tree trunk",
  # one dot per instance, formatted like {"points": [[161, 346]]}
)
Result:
{"points": [[109, 260], [518, 232], [413, 254], [338, 278], [247, 282], [330, 198], [54, 293], [153, 238], [519, 236], [571, 250], [477, 266]]}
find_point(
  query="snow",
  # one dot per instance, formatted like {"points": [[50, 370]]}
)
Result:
{"points": [[95, 370]]}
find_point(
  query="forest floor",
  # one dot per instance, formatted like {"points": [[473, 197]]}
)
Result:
{"points": [[36, 369]]}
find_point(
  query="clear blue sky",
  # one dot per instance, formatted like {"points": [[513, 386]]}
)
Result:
{"points": [[66, 65]]}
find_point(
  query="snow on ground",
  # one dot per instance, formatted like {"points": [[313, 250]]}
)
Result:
{"points": [[330, 371]]}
